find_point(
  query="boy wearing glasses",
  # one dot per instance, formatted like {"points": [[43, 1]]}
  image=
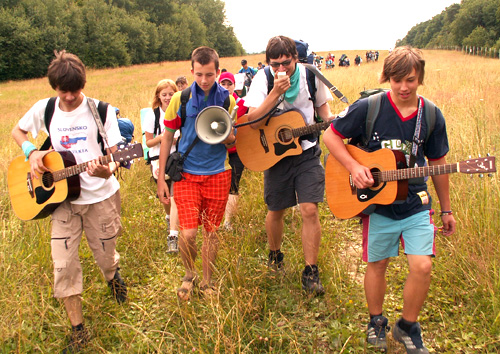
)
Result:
{"points": [[294, 179]]}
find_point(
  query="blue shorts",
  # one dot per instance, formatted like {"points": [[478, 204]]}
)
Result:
{"points": [[381, 236]]}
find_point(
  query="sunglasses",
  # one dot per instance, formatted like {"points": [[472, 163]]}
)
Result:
{"points": [[276, 65]]}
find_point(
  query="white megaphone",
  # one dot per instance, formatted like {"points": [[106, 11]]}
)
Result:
{"points": [[213, 125]]}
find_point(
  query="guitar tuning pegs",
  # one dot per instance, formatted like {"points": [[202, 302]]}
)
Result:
{"points": [[481, 175], [470, 156], [488, 154], [490, 174]]}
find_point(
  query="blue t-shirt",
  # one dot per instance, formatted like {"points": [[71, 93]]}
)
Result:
{"points": [[392, 130]]}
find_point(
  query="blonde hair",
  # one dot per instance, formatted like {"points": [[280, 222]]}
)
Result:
{"points": [[163, 84]]}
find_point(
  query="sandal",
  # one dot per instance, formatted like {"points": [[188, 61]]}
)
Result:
{"points": [[208, 290], [186, 289]]}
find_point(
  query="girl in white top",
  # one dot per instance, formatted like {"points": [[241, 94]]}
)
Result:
{"points": [[164, 91]]}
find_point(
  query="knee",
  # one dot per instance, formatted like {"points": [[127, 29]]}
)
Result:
{"points": [[309, 211], [422, 268]]}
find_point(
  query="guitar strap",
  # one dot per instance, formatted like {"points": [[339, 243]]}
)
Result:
{"points": [[416, 135], [98, 121]]}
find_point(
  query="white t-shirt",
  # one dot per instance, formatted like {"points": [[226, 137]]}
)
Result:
{"points": [[77, 132], [258, 93], [149, 126]]}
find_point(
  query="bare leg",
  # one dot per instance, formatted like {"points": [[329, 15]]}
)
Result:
{"points": [[375, 285], [73, 306], [208, 255], [174, 216], [416, 286], [274, 228], [231, 206], [311, 232], [187, 248]]}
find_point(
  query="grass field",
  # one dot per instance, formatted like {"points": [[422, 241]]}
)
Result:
{"points": [[256, 312]]}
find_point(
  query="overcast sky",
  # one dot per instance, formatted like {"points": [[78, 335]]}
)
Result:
{"points": [[329, 24]]}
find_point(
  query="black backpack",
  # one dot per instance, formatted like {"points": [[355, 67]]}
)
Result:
{"points": [[102, 108]]}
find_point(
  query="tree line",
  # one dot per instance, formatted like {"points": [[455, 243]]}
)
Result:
{"points": [[108, 33], [470, 23]]}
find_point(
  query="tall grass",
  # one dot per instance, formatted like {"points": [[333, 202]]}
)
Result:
{"points": [[257, 312]]}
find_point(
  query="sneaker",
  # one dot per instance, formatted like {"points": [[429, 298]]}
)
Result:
{"points": [[172, 244], [311, 282], [412, 341], [376, 331], [77, 340], [118, 288], [275, 261]]}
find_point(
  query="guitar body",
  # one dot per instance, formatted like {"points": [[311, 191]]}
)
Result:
{"points": [[38, 197], [260, 149], [347, 201]]}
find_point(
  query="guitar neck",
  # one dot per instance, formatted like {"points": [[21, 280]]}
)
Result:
{"points": [[77, 169], [408, 173], [309, 129]]}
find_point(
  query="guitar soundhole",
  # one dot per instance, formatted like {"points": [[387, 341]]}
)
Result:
{"points": [[47, 180], [285, 135], [376, 177]]}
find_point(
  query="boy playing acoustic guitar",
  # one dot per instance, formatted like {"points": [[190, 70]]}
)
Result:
{"points": [[395, 127], [97, 209], [295, 179]]}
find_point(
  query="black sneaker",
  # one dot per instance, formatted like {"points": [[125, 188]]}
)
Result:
{"points": [[275, 260], [376, 332], [311, 282], [77, 340], [412, 341], [118, 288]]}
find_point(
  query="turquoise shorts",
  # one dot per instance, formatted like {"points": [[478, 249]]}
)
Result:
{"points": [[382, 235]]}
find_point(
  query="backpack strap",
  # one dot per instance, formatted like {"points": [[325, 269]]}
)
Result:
{"points": [[102, 109], [430, 117], [186, 93], [156, 130], [373, 110], [47, 118]]}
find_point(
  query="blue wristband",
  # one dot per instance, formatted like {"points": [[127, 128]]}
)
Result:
{"points": [[27, 147]]}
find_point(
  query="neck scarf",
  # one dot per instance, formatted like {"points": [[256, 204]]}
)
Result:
{"points": [[216, 96], [292, 93]]}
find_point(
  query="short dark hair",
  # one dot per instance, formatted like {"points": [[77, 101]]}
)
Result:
{"points": [[66, 72], [244, 62], [205, 55], [280, 45], [401, 62]]}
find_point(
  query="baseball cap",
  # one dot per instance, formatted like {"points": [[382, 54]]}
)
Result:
{"points": [[226, 76]]}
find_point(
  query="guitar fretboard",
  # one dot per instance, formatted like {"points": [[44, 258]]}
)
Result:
{"points": [[77, 169], [407, 173], [308, 129]]}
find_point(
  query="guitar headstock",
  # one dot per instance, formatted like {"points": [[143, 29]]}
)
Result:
{"points": [[478, 165]]}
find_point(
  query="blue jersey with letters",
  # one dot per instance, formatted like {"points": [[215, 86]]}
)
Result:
{"points": [[393, 131]]}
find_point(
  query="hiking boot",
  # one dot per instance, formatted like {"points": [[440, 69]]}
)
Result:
{"points": [[376, 332], [77, 340], [172, 244], [311, 282], [412, 341], [275, 260], [118, 288]]}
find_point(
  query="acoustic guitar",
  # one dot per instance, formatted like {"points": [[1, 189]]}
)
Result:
{"points": [[36, 198], [260, 149], [388, 168]]}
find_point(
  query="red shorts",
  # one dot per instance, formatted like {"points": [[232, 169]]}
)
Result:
{"points": [[201, 200]]}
